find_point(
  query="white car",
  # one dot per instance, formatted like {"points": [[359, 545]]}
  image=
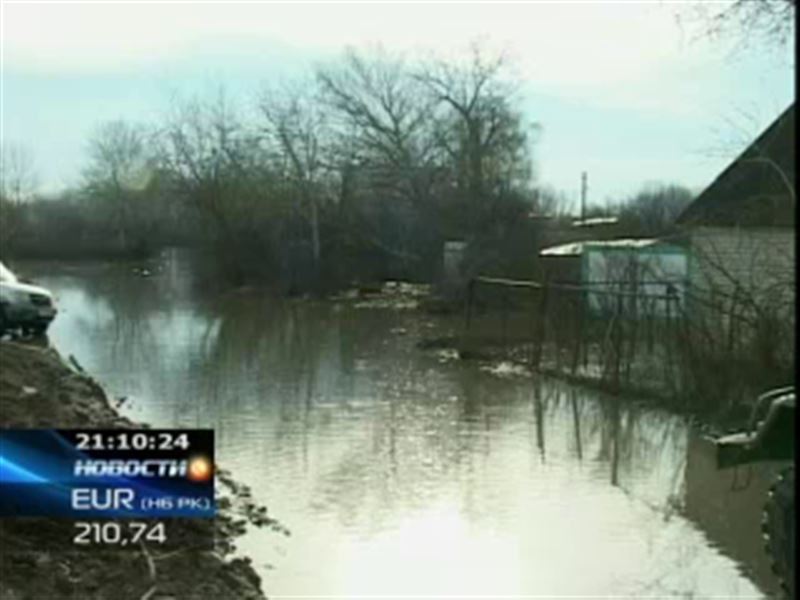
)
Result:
{"points": [[28, 307]]}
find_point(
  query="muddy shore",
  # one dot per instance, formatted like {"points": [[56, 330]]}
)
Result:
{"points": [[40, 389]]}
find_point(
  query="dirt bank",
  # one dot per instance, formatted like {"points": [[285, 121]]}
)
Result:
{"points": [[37, 557]]}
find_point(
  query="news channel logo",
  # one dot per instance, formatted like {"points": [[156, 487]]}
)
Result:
{"points": [[80, 474]]}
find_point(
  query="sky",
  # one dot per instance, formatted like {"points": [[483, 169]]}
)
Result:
{"points": [[631, 92]]}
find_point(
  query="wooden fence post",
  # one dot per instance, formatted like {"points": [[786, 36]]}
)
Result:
{"points": [[470, 293], [579, 330], [668, 339], [542, 325], [617, 344]]}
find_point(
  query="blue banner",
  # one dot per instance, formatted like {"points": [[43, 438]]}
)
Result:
{"points": [[107, 473]]}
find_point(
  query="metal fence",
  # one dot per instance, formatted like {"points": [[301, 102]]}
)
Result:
{"points": [[622, 338]]}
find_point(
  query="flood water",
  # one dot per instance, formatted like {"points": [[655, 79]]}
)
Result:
{"points": [[402, 473]]}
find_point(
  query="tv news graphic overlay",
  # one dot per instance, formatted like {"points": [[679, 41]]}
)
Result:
{"points": [[107, 473], [119, 533]]}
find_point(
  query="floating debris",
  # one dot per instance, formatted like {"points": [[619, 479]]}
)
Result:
{"points": [[393, 295], [507, 369], [447, 354]]}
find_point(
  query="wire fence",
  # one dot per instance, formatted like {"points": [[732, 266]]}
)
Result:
{"points": [[677, 343]]}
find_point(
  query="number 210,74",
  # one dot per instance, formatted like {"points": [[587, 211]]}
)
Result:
{"points": [[112, 532]]}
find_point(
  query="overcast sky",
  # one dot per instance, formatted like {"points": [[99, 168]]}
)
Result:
{"points": [[622, 90]]}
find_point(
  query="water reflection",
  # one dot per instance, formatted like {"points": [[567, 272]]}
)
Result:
{"points": [[397, 473]]}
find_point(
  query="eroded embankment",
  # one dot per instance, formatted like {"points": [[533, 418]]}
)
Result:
{"points": [[37, 557]]}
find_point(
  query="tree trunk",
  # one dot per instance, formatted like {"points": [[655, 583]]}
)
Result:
{"points": [[315, 244]]}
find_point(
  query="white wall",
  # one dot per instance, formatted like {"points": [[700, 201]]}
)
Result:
{"points": [[744, 272], [649, 267], [755, 262]]}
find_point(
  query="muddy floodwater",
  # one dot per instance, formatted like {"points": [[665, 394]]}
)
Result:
{"points": [[402, 472]]}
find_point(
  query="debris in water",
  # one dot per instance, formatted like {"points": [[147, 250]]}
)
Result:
{"points": [[447, 354], [507, 369]]}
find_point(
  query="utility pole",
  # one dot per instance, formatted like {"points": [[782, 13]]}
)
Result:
{"points": [[583, 195]]}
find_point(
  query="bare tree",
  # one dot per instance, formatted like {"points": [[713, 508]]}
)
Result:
{"points": [[654, 209], [296, 126], [481, 131], [208, 153], [18, 185], [218, 165], [746, 22], [118, 173], [770, 19], [382, 127], [380, 104], [740, 325], [19, 177], [550, 203], [117, 156]]}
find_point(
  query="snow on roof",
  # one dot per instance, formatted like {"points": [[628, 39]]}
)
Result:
{"points": [[576, 248], [593, 221], [573, 249]]}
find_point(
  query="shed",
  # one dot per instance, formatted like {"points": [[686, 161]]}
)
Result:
{"points": [[646, 268]]}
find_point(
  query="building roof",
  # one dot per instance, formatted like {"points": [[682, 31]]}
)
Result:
{"points": [[577, 248], [753, 191]]}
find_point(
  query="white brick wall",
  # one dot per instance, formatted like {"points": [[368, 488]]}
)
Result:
{"points": [[761, 261], [751, 269]]}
